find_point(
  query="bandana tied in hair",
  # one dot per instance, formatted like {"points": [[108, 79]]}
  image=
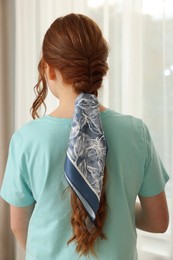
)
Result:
{"points": [[86, 154]]}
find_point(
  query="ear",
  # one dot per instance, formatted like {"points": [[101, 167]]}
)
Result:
{"points": [[50, 72]]}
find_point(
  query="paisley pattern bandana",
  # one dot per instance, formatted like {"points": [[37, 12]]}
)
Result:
{"points": [[86, 154]]}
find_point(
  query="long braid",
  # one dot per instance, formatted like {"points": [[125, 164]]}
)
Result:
{"points": [[75, 46]]}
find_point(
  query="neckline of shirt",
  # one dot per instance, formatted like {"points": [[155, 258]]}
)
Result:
{"points": [[63, 119]]}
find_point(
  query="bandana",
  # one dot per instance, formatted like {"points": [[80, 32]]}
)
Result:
{"points": [[86, 154]]}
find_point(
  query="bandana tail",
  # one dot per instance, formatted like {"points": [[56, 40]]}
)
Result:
{"points": [[82, 189]]}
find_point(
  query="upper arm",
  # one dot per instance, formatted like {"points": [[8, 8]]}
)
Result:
{"points": [[20, 216], [155, 211]]}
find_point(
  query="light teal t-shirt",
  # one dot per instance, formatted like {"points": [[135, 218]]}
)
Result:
{"points": [[35, 174]]}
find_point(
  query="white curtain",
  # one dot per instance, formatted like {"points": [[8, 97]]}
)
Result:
{"points": [[6, 116], [140, 34]]}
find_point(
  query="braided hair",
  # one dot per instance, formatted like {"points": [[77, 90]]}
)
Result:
{"points": [[75, 46]]}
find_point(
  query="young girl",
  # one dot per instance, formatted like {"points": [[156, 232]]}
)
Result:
{"points": [[72, 177]]}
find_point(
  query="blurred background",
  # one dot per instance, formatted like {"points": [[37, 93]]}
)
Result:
{"points": [[139, 82]]}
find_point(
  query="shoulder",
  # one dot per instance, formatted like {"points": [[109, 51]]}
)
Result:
{"points": [[122, 124], [29, 127], [41, 132], [32, 130], [125, 131]]}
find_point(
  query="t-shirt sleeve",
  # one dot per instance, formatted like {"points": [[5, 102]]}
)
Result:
{"points": [[155, 175], [15, 186]]}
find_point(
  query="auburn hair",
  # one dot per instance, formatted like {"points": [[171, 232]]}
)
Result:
{"points": [[75, 46]]}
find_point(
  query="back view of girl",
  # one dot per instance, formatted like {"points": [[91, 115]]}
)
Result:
{"points": [[72, 177]]}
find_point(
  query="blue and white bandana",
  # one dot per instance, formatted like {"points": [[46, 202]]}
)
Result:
{"points": [[86, 154]]}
